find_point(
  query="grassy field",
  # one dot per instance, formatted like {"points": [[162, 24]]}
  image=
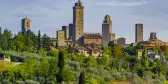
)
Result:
{"points": [[5, 64]]}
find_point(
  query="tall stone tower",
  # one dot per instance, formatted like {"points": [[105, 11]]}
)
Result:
{"points": [[70, 31], [107, 30], [138, 33], [25, 24], [78, 18]]}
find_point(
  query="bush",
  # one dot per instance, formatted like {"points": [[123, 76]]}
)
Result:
{"points": [[6, 82], [31, 82], [19, 82]]}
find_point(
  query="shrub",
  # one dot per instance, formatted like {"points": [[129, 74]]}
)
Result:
{"points": [[31, 82], [6, 82], [19, 82]]}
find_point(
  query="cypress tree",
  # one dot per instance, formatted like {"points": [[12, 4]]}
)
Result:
{"points": [[61, 60], [56, 44], [39, 40], [0, 37], [82, 78], [60, 65], [144, 59]]}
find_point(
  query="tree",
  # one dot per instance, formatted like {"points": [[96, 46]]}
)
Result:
{"points": [[39, 40], [0, 33], [116, 52], [61, 66], [111, 43], [163, 48], [56, 44], [6, 36], [139, 46], [45, 42], [82, 78], [144, 59], [130, 50], [61, 60], [0, 37]]}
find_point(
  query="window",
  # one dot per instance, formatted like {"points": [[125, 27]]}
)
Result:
{"points": [[27, 24]]}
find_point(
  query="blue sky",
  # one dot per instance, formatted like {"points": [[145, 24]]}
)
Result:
{"points": [[49, 15]]}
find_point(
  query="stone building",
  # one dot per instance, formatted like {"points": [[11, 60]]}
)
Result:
{"points": [[112, 37], [138, 33], [60, 38], [25, 24], [121, 41], [78, 22], [153, 42], [52, 41], [88, 50], [94, 38], [66, 31], [107, 34]]}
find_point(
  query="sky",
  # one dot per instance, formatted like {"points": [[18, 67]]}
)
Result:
{"points": [[48, 16]]}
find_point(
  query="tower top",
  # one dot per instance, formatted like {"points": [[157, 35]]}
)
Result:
{"points": [[153, 36], [79, 3], [107, 19]]}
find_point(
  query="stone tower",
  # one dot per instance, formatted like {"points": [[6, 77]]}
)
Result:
{"points": [[107, 30], [60, 38], [138, 33], [25, 24], [66, 31], [78, 18]]}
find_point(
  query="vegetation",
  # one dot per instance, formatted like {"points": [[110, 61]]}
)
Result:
{"points": [[44, 65]]}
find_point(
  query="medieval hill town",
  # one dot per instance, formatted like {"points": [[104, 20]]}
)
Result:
{"points": [[74, 56]]}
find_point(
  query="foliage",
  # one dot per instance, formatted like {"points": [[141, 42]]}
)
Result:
{"points": [[36, 62]]}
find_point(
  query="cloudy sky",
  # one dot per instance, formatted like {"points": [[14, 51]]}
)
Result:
{"points": [[49, 15]]}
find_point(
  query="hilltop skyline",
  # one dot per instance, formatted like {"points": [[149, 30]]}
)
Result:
{"points": [[49, 16]]}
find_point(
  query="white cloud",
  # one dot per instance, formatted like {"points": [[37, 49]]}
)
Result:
{"points": [[122, 3]]}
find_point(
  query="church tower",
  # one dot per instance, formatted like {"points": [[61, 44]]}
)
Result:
{"points": [[78, 18]]}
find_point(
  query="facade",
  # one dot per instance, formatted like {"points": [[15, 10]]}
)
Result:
{"points": [[153, 42], [138, 33], [112, 37], [71, 31], [121, 41], [92, 38], [25, 24], [60, 38], [107, 31], [66, 31], [78, 19], [52, 41], [86, 50]]}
